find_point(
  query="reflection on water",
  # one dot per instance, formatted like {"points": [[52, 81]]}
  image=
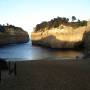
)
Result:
{"points": [[39, 52], [28, 52], [68, 54]]}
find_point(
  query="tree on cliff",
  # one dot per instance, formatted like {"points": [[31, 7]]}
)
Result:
{"points": [[8, 28], [73, 18], [56, 22]]}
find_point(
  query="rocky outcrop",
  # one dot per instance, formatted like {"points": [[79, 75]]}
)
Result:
{"points": [[67, 37], [12, 35], [87, 42]]}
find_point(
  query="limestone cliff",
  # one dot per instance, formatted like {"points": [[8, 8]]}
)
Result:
{"points": [[62, 33], [87, 41], [59, 38], [12, 35]]}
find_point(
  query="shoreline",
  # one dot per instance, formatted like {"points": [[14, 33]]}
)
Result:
{"points": [[41, 59]]}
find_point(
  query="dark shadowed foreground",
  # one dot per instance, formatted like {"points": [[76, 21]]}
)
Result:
{"points": [[46, 75]]}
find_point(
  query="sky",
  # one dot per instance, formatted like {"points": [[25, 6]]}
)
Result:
{"points": [[28, 13]]}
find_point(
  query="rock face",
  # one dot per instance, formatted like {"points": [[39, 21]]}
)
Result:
{"points": [[59, 38], [12, 35], [87, 42], [60, 33]]}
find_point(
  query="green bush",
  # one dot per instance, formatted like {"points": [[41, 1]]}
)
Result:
{"points": [[56, 22]]}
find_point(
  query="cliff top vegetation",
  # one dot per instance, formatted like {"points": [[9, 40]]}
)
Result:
{"points": [[8, 28], [57, 22]]}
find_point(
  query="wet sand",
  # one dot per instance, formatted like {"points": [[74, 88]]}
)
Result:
{"points": [[49, 75]]}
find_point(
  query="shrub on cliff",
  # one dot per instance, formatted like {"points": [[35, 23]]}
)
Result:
{"points": [[56, 22], [9, 28], [78, 24]]}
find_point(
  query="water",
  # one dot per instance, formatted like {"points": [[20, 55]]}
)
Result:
{"points": [[28, 52]]}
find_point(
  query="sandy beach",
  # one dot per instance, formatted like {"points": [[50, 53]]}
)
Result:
{"points": [[49, 75]]}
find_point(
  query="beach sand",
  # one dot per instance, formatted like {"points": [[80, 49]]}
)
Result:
{"points": [[49, 75]]}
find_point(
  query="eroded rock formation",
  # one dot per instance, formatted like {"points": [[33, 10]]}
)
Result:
{"points": [[59, 38], [12, 35]]}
